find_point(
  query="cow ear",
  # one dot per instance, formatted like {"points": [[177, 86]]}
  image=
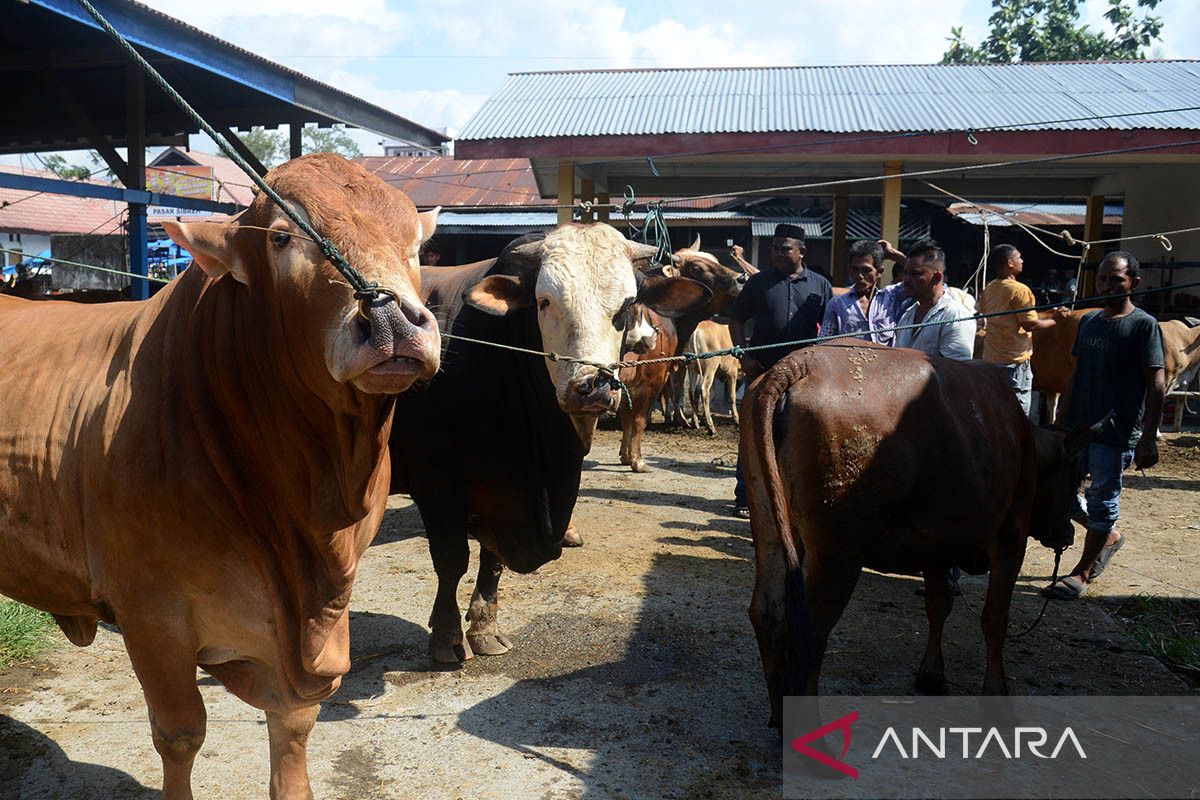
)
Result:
{"points": [[211, 245], [428, 223], [1078, 440], [673, 297], [499, 295]]}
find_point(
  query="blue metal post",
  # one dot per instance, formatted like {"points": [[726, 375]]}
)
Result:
{"points": [[135, 99]]}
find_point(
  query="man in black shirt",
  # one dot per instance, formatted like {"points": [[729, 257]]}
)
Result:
{"points": [[1119, 372], [782, 304]]}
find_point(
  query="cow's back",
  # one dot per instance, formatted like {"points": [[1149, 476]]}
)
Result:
{"points": [[1052, 362], [891, 444]]}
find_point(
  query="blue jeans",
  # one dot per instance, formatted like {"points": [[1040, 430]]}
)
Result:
{"points": [[1102, 499], [1020, 377]]}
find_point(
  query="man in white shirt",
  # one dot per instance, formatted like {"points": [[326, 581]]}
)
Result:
{"points": [[925, 278]]}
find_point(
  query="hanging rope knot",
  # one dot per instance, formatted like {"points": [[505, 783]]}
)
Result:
{"points": [[971, 136], [369, 291], [615, 380], [629, 202], [553, 356], [1068, 238], [1164, 241], [737, 352]]}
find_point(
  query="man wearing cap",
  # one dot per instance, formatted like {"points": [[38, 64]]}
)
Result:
{"points": [[784, 303]]}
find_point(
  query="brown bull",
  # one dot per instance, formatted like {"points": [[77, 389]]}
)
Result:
{"points": [[205, 468], [858, 455], [646, 383]]}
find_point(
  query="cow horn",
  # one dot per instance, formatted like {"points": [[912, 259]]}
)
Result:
{"points": [[1100, 426], [695, 244], [640, 252]]}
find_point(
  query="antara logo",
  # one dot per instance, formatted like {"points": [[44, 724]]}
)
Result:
{"points": [[1033, 739]]}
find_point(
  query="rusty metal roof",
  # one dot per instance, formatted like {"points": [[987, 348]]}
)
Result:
{"points": [[442, 181], [22, 211]]}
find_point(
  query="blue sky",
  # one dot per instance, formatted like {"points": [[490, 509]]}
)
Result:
{"points": [[436, 62]]}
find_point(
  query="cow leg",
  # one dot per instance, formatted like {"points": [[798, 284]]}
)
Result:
{"points": [[626, 418], [1001, 582], [450, 553], [484, 633], [768, 616], [830, 581], [707, 375], [931, 675], [288, 733], [165, 663]]}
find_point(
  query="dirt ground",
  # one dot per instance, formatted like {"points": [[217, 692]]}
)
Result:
{"points": [[634, 672]]}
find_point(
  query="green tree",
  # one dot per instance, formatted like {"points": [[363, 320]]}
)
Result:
{"points": [[68, 172], [330, 140], [270, 147], [1049, 30]]}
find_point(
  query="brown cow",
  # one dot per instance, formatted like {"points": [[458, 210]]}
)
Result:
{"points": [[205, 468], [858, 455], [646, 383], [1052, 363], [710, 337]]}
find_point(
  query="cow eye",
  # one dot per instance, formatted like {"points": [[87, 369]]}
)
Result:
{"points": [[280, 239], [543, 304]]}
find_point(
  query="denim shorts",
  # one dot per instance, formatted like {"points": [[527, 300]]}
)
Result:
{"points": [[1020, 377], [1101, 500]]}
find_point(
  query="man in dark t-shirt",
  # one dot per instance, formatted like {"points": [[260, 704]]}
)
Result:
{"points": [[783, 304], [1119, 371]]}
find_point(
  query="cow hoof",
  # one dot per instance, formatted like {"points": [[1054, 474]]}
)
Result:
{"points": [[712, 431], [489, 644], [625, 460], [449, 649], [931, 683], [571, 537], [639, 466]]}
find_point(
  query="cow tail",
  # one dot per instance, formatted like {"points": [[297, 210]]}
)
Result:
{"points": [[798, 617]]}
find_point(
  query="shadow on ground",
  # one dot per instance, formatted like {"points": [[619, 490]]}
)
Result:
{"points": [[29, 759]]}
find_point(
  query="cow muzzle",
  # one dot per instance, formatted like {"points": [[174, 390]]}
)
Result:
{"points": [[399, 344], [591, 395]]}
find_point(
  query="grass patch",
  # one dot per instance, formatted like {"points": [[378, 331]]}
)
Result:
{"points": [[1170, 629], [24, 632]]}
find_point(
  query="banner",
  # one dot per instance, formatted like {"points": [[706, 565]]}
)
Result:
{"points": [[181, 181]]}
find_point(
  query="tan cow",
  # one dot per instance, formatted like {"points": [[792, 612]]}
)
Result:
{"points": [[205, 468], [709, 337], [1181, 351]]}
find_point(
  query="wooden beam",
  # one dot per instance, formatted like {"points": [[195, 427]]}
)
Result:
{"points": [[587, 193], [841, 207], [566, 191], [603, 198], [1093, 228], [295, 139], [890, 222], [240, 147]]}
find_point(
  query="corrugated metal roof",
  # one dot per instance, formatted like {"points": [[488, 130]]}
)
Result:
{"points": [[442, 181], [465, 221], [1007, 214], [842, 99], [765, 226]]}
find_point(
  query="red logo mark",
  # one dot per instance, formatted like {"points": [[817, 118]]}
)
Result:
{"points": [[800, 744]]}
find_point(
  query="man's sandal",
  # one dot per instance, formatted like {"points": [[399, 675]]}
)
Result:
{"points": [[1068, 588]]}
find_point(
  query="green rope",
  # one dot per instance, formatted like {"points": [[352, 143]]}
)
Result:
{"points": [[363, 290]]}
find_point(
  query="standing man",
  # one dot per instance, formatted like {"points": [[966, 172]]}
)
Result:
{"points": [[784, 303], [1119, 371], [925, 279], [866, 308], [1009, 340]]}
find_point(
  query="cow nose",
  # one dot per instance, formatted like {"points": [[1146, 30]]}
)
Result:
{"points": [[584, 387], [417, 314]]}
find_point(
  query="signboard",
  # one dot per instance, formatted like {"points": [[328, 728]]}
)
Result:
{"points": [[182, 181]]}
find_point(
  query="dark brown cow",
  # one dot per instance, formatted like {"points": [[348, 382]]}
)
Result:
{"points": [[205, 468], [646, 384], [858, 455]]}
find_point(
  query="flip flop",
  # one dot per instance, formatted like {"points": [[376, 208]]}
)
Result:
{"points": [[1068, 588], [1105, 556]]}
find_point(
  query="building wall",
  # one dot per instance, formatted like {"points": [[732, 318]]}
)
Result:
{"points": [[1161, 199], [29, 243]]}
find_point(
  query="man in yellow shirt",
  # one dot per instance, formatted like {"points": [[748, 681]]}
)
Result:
{"points": [[1008, 342]]}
